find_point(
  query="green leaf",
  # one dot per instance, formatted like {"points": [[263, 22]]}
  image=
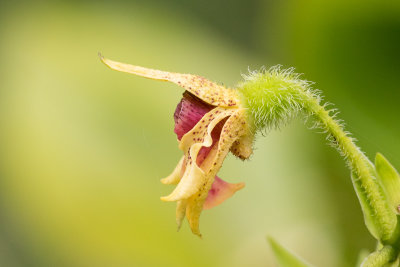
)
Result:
{"points": [[390, 180], [381, 222], [393, 264], [285, 257], [385, 257], [361, 256], [369, 218]]}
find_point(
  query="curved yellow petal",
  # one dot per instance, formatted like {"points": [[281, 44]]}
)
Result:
{"points": [[191, 180], [177, 173], [180, 212], [204, 89], [231, 131], [194, 177], [199, 131]]}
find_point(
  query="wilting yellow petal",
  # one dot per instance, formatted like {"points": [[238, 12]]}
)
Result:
{"points": [[231, 131], [204, 89], [204, 128], [176, 175], [180, 211], [191, 180], [194, 177]]}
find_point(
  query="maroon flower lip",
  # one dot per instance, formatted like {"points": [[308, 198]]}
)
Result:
{"points": [[188, 113]]}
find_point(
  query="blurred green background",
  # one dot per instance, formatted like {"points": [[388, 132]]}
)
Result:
{"points": [[83, 147]]}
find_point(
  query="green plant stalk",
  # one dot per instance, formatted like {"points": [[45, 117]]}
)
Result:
{"points": [[275, 96], [359, 164]]}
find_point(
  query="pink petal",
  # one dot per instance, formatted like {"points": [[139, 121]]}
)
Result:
{"points": [[219, 192], [188, 112]]}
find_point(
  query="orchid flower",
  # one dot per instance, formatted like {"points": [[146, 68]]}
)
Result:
{"points": [[210, 121]]}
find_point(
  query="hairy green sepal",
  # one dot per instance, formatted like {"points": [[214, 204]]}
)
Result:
{"points": [[390, 180], [382, 227]]}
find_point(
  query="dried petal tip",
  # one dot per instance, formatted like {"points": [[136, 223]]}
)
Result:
{"points": [[243, 147], [220, 191]]}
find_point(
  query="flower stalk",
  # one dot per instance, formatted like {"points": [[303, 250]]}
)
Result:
{"points": [[381, 220], [275, 96]]}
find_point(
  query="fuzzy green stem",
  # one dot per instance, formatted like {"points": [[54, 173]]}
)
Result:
{"points": [[363, 169], [275, 96]]}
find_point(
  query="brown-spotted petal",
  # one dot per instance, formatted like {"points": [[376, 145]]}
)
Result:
{"points": [[243, 147], [200, 136], [204, 127], [231, 131], [206, 90]]}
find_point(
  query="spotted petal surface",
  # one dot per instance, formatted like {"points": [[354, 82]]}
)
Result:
{"points": [[191, 143], [206, 90], [231, 131]]}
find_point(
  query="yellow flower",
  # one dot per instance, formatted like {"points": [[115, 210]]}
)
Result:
{"points": [[210, 121]]}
